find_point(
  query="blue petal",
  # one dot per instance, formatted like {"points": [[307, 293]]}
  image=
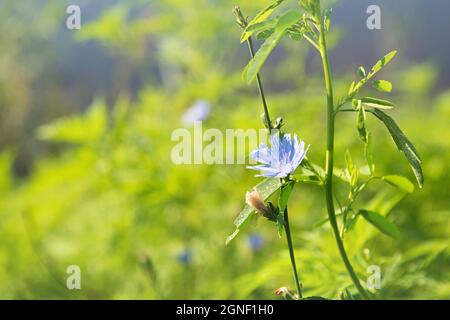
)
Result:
{"points": [[262, 154]]}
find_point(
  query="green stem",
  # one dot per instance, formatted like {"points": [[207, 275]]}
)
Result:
{"points": [[291, 253], [330, 161], [260, 87], [269, 127]]}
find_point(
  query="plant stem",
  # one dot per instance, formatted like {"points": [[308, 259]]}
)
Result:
{"points": [[268, 123], [330, 161], [260, 87], [291, 252]]}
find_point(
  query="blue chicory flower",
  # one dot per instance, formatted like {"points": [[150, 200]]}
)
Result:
{"points": [[255, 241], [185, 256], [280, 159], [198, 112]]}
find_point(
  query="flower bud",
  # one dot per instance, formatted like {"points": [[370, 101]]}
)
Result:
{"points": [[254, 200], [282, 290], [286, 293], [240, 19], [278, 123]]}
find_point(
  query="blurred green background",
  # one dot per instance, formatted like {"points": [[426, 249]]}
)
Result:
{"points": [[86, 176]]}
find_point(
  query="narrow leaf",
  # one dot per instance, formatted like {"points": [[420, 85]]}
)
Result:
{"points": [[381, 223], [253, 67], [362, 72], [287, 20], [403, 144], [284, 196], [361, 124], [327, 17], [263, 35], [258, 27], [342, 174], [382, 62], [368, 154], [351, 88], [232, 236], [284, 22], [399, 182], [352, 170], [295, 33], [377, 103], [262, 16], [280, 224]]}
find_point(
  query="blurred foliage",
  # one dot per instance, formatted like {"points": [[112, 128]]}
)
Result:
{"points": [[109, 199]]}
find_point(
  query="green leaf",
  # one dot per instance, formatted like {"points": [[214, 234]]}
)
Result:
{"points": [[368, 153], [261, 17], [382, 85], [382, 62], [327, 18], [280, 224], [312, 7], [320, 223], [362, 72], [381, 223], [403, 144], [308, 179], [342, 174], [361, 124], [399, 182], [232, 236], [282, 205], [377, 103], [295, 33], [351, 88], [356, 104], [351, 222], [384, 201], [263, 35], [284, 22], [284, 196], [266, 189], [352, 170], [258, 27], [312, 169], [288, 19], [253, 67]]}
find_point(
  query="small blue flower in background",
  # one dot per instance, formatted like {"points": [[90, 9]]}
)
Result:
{"points": [[255, 241], [185, 256], [280, 159], [198, 112]]}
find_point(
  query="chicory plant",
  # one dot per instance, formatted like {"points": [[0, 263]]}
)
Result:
{"points": [[284, 162]]}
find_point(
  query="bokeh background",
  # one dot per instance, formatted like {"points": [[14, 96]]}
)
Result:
{"points": [[86, 177]]}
